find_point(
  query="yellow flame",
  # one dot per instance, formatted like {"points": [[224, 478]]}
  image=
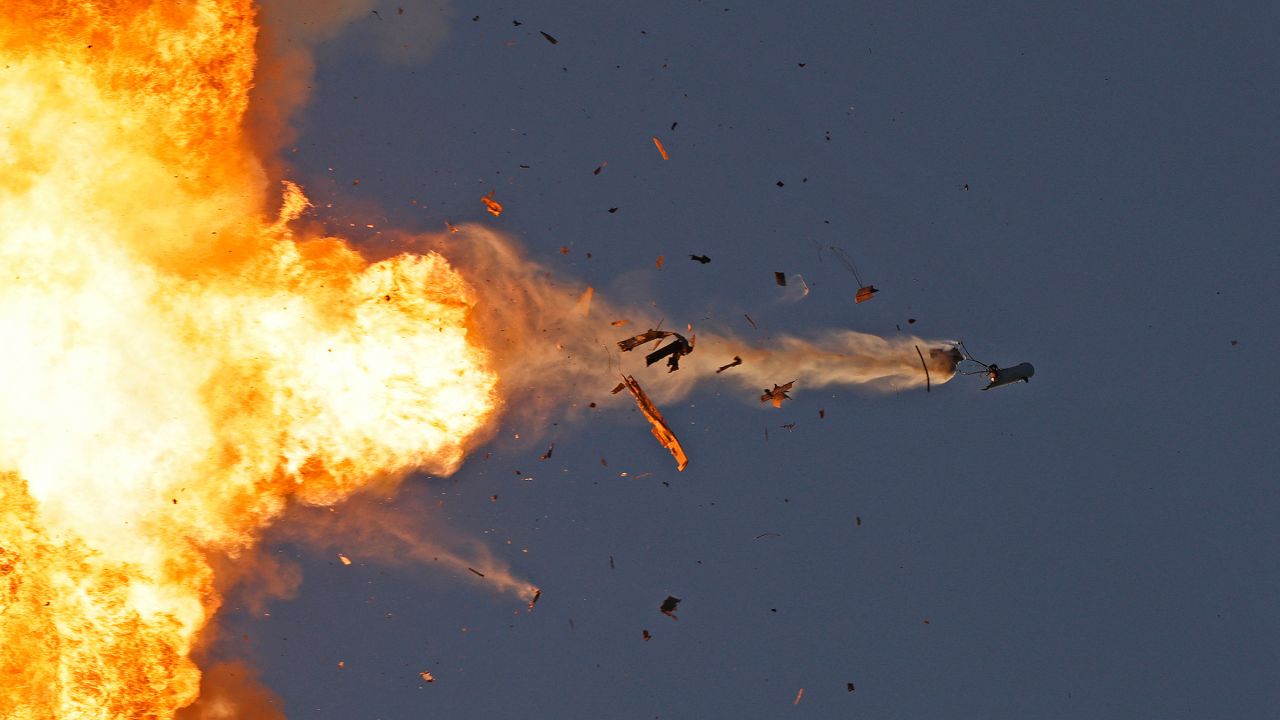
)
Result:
{"points": [[178, 364]]}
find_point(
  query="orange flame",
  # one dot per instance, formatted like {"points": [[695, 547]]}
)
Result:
{"points": [[180, 366]]}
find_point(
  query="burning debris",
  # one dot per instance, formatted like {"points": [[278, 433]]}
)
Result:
{"points": [[659, 425], [668, 606], [673, 351], [493, 206], [865, 291], [661, 150], [534, 600], [777, 394]]}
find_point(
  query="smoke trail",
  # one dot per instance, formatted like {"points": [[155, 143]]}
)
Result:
{"points": [[553, 352]]}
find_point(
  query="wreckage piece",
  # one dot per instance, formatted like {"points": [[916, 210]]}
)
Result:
{"points": [[999, 376], [661, 431], [668, 606], [864, 293], [777, 394], [736, 362], [677, 349], [493, 206], [704, 259]]}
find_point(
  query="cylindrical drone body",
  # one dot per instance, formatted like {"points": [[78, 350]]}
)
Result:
{"points": [[1005, 376]]}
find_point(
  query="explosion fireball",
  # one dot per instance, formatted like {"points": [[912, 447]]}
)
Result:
{"points": [[183, 364]]}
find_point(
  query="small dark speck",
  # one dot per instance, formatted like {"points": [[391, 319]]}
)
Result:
{"points": [[475, 19], [526, 167], [911, 321], [780, 183], [550, 39], [1235, 342], [516, 23], [801, 64], [857, 519], [674, 124], [613, 210]]}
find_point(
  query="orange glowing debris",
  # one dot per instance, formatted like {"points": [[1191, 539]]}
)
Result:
{"points": [[799, 694], [777, 394], [534, 600], [345, 560], [619, 323], [659, 263], [661, 150], [426, 676], [645, 634], [865, 293], [493, 206], [659, 427]]}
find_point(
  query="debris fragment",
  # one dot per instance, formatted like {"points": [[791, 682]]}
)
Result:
{"points": [[660, 430], [619, 323], [345, 560], [493, 206], [700, 258], [668, 607], [736, 362], [645, 634], [661, 150], [789, 426], [857, 520], [427, 676], [753, 322], [599, 168], [617, 389], [865, 291], [777, 394], [822, 413], [550, 39], [673, 351], [613, 210], [927, 382], [799, 694], [659, 263], [849, 686], [537, 593], [780, 278], [476, 571], [547, 455]]}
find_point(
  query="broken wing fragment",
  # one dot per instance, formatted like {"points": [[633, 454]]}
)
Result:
{"points": [[777, 394], [659, 424], [673, 351]]}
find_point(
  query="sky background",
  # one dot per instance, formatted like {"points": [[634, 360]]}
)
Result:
{"points": [[1098, 543]]}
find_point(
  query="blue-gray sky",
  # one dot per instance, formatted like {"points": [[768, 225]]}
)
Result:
{"points": [[1098, 543]]}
